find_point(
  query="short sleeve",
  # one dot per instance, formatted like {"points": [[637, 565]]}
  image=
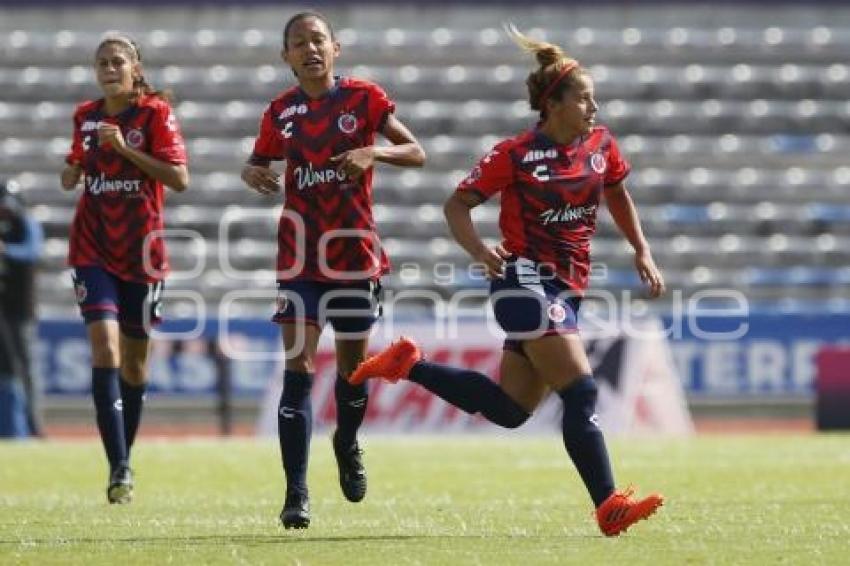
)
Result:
{"points": [[268, 146], [617, 167], [166, 138], [76, 154], [492, 174], [380, 107]]}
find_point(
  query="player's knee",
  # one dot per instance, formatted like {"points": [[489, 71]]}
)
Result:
{"points": [[134, 372], [301, 364], [105, 355], [581, 390], [505, 412]]}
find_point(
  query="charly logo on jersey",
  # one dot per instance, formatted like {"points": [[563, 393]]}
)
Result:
{"points": [[541, 173], [598, 163], [135, 138], [539, 155], [98, 185], [347, 123], [306, 177], [567, 213]]}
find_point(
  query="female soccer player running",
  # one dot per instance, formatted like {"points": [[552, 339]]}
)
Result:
{"points": [[125, 147], [551, 179], [329, 259]]}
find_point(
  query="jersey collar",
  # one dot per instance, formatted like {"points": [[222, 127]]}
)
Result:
{"points": [[327, 95], [573, 145]]}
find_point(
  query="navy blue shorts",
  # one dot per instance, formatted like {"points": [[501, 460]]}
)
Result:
{"points": [[349, 307], [531, 302], [104, 296]]}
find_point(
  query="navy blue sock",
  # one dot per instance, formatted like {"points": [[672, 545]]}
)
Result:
{"points": [[350, 409], [470, 391], [583, 438], [110, 420], [294, 427], [133, 397]]}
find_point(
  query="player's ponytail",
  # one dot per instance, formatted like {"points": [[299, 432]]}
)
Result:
{"points": [[555, 75], [143, 88]]}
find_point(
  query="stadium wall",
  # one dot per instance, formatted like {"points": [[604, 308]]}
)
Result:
{"points": [[774, 355]]}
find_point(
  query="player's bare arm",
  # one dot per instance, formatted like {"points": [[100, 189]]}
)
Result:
{"points": [[459, 218], [174, 176], [261, 178], [625, 215], [405, 151], [70, 176]]}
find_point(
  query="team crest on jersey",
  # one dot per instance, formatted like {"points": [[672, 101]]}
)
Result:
{"points": [[557, 313], [598, 163], [81, 291], [347, 123], [135, 138]]}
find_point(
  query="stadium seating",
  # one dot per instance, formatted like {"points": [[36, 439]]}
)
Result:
{"points": [[738, 136]]}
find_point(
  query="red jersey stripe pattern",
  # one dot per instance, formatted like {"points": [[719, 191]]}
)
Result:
{"points": [[550, 195], [340, 241], [121, 205]]}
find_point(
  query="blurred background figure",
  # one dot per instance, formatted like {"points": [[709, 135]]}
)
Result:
{"points": [[21, 241]]}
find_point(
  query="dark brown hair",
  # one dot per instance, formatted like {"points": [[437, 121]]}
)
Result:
{"points": [[303, 16]]}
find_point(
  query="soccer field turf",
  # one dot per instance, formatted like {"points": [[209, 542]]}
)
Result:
{"points": [[453, 500]]}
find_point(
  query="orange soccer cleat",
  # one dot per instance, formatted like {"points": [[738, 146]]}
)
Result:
{"points": [[392, 364], [620, 511]]}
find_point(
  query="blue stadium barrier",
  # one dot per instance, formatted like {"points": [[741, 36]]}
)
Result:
{"points": [[774, 355]]}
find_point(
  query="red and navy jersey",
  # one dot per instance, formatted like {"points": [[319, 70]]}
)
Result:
{"points": [[326, 231], [550, 194], [121, 205]]}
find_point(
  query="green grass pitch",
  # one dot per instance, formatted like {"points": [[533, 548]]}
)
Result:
{"points": [[432, 500]]}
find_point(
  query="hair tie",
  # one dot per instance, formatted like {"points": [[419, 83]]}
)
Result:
{"points": [[548, 90]]}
